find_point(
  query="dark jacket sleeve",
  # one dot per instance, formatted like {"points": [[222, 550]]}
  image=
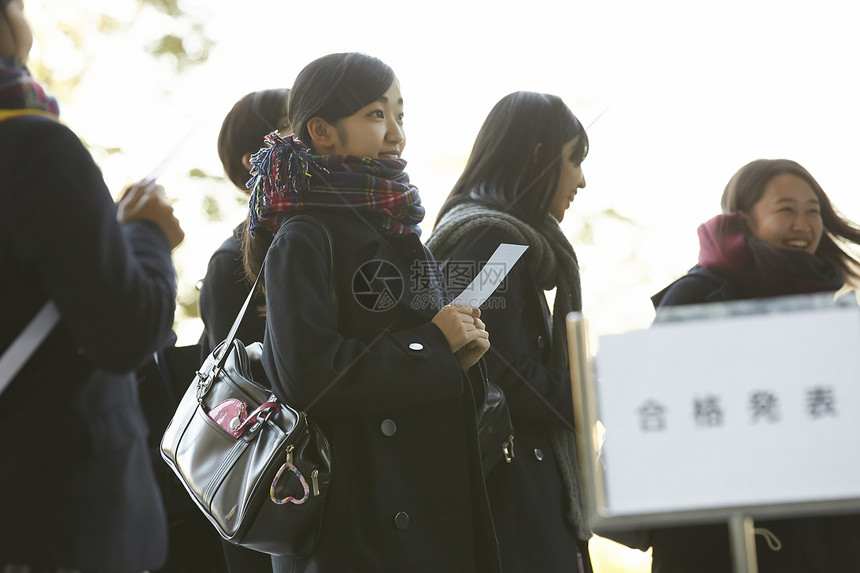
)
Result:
{"points": [[532, 390], [114, 284], [222, 295], [689, 289], [307, 358], [698, 286]]}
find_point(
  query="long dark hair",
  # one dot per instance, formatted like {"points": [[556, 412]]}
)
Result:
{"points": [[331, 87], [514, 163], [746, 188], [248, 122]]}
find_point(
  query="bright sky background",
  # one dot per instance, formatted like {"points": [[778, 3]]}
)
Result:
{"points": [[678, 95]]}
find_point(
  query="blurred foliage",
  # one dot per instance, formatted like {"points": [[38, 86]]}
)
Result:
{"points": [[169, 7], [168, 44], [79, 48], [211, 208], [613, 214], [108, 25], [73, 33], [584, 233], [93, 147], [179, 49], [187, 301], [64, 88], [200, 174], [188, 49]]}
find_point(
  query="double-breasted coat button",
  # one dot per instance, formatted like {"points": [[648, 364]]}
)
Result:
{"points": [[388, 427], [541, 342], [416, 346], [401, 520], [539, 454]]}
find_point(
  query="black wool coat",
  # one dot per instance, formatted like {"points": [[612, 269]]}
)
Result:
{"points": [[77, 488], [407, 490], [526, 495], [222, 294], [699, 285]]}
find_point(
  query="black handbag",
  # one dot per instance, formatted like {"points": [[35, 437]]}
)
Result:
{"points": [[495, 430], [257, 468]]}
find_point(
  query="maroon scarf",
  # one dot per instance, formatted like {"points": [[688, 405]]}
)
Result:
{"points": [[724, 250]]}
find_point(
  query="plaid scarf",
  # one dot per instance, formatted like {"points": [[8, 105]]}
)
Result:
{"points": [[286, 177], [18, 90]]}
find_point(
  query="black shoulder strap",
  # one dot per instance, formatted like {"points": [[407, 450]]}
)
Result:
{"points": [[231, 336]]}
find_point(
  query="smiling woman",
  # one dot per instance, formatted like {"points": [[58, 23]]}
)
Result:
{"points": [[394, 385], [570, 179], [653, 65], [777, 236], [787, 216], [784, 209], [376, 130]]}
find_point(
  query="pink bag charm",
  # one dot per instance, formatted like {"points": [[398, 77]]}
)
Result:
{"points": [[230, 414]]}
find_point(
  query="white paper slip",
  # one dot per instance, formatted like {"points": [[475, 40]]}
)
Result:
{"points": [[491, 276], [162, 166]]}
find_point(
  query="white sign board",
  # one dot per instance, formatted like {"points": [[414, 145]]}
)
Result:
{"points": [[739, 411]]}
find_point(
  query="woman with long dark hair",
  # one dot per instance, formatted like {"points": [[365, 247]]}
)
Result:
{"points": [[225, 287], [522, 175]]}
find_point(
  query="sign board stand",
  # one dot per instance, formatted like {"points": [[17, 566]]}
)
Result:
{"points": [[733, 470], [742, 537]]}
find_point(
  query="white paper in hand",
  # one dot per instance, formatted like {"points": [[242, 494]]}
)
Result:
{"points": [[491, 276]]}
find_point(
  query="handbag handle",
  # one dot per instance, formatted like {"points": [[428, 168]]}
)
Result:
{"points": [[205, 380]]}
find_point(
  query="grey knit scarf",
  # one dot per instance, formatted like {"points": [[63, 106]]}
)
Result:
{"points": [[553, 260]]}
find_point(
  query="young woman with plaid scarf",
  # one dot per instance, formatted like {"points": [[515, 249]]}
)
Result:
{"points": [[387, 369]]}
